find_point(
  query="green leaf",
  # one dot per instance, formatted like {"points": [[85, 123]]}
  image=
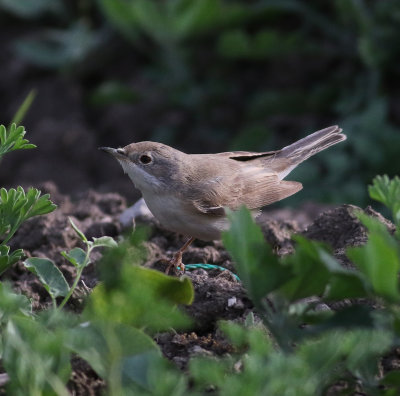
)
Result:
{"points": [[77, 230], [378, 259], [23, 109], [101, 343], [16, 207], [137, 368], [104, 241], [141, 297], [206, 371], [7, 259], [392, 379], [387, 192], [41, 204], [310, 274], [35, 358], [50, 276], [258, 268], [12, 304], [346, 285], [356, 350], [177, 291], [76, 256], [12, 138]]}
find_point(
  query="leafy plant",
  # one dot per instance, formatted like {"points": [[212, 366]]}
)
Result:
{"points": [[313, 367], [109, 335], [300, 346], [131, 304], [108, 300], [387, 191], [31, 349], [287, 291], [52, 278], [16, 206], [12, 138]]}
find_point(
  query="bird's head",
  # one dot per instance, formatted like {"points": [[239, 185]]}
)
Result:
{"points": [[151, 166]]}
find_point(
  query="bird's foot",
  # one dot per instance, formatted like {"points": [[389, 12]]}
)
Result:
{"points": [[175, 263]]}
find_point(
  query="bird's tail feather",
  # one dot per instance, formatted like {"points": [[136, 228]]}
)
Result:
{"points": [[312, 144]]}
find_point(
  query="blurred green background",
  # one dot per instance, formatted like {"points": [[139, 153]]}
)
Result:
{"points": [[204, 76]]}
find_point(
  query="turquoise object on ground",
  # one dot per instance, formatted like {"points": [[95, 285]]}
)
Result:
{"points": [[208, 267]]}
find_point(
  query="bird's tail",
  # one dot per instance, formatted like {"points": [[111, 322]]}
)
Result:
{"points": [[312, 144]]}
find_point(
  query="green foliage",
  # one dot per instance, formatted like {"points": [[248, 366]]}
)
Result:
{"points": [[52, 278], [153, 295], [172, 21], [60, 49], [151, 286], [379, 260], [284, 291], [109, 346], [12, 304], [299, 347], [314, 366], [387, 191], [23, 109], [12, 138], [7, 259], [34, 358], [109, 335], [132, 298], [254, 258], [16, 206], [49, 275]]}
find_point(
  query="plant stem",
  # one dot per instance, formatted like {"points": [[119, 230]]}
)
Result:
{"points": [[77, 279], [11, 233]]}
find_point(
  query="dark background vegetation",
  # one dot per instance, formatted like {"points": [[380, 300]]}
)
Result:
{"points": [[203, 76]]}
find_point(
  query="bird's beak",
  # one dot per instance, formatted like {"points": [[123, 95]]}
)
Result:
{"points": [[117, 153]]}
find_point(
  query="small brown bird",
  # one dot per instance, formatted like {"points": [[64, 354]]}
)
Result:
{"points": [[188, 193]]}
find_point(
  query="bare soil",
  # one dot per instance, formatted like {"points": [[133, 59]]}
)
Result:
{"points": [[217, 294]]}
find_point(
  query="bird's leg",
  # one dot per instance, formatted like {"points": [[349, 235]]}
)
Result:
{"points": [[176, 260]]}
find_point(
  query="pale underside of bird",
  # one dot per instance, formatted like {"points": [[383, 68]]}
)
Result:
{"points": [[189, 193]]}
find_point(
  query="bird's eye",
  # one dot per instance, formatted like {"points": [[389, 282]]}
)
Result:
{"points": [[145, 159]]}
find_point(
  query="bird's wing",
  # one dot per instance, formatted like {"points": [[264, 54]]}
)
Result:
{"points": [[271, 161], [253, 187], [247, 155]]}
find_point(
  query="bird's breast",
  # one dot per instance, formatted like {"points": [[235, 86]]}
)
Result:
{"points": [[177, 215]]}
